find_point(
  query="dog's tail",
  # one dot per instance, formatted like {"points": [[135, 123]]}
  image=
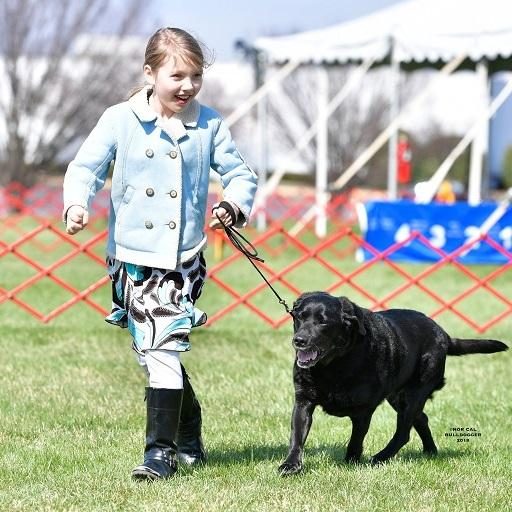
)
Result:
{"points": [[459, 347]]}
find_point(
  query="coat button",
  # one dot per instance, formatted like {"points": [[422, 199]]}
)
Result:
{"points": [[173, 193], [148, 224], [149, 153], [150, 192], [173, 154], [172, 225]]}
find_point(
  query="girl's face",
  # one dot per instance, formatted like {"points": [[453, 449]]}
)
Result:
{"points": [[175, 84]]}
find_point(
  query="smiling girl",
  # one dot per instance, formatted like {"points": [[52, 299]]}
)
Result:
{"points": [[162, 144]]}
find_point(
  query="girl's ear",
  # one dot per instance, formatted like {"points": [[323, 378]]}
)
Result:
{"points": [[149, 75]]}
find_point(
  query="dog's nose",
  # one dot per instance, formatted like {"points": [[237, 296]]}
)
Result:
{"points": [[299, 341]]}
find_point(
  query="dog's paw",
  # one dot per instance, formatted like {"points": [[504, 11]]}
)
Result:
{"points": [[430, 451], [352, 459], [290, 468], [378, 460]]}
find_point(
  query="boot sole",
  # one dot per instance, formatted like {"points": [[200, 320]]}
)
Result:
{"points": [[147, 474], [144, 474]]}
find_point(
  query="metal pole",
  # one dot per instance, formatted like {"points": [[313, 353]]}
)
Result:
{"points": [[322, 152], [394, 109], [261, 216], [311, 132], [478, 146], [383, 137], [435, 181]]}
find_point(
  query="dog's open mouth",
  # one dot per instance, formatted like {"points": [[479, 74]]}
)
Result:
{"points": [[307, 358]]}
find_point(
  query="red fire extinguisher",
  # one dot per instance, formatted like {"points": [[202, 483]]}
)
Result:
{"points": [[404, 160]]}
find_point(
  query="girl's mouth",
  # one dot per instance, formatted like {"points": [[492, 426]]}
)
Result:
{"points": [[182, 100]]}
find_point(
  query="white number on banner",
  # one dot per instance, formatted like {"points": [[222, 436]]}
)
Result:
{"points": [[437, 234], [438, 238], [402, 233], [506, 236], [471, 233]]}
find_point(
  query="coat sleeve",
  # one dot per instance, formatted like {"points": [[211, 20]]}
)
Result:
{"points": [[238, 180], [86, 174]]}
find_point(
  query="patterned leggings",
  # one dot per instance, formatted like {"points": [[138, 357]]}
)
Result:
{"points": [[157, 307]]}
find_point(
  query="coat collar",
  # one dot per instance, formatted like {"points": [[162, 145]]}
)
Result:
{"points": [[175, 125]]}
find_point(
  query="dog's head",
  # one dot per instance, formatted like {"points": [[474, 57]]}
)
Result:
{"points": [[323, 327]]}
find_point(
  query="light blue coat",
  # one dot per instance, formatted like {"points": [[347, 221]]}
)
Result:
{"points": [[160, 179]]}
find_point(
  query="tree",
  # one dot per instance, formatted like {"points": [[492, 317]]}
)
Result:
{"points": [[59, 72]]}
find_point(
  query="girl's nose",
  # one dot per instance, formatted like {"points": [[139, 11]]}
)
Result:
{"points": [[187, 84]]}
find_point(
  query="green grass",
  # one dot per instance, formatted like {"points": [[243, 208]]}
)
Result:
{"points": [[72, 414], [72, 411]]}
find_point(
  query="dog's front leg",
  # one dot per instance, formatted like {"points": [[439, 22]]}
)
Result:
{"points": [[302, 417], [360, 426]]}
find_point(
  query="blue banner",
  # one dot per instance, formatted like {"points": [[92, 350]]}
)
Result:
{"points": [[446, 227]]}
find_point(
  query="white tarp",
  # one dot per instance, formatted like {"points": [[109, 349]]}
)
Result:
{"points": [[422, 31]]}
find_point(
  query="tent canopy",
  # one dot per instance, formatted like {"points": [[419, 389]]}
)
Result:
{"points": [[421, 32]]}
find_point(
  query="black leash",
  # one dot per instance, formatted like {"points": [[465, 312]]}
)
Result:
{"points": [[250, 252]]}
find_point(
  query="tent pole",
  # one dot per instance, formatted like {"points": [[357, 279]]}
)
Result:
{"points": [[310, 133], [479, 144], [262, 140], [322, 152], [383, 137], [435, 181], [394, 109], [261, 91]]}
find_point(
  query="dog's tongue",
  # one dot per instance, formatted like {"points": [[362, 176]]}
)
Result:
{"points": [[304, 356]]}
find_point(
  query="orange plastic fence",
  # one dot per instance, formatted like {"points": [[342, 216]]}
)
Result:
{"points": [[32, 239]]}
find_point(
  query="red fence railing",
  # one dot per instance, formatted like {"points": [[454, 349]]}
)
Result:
{"points": [[46, 272]]}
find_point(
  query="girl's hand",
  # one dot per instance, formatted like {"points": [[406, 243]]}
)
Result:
{"points": [[224, 215], [77, 218]]}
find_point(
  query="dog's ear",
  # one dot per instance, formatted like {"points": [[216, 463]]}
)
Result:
{"points": [[360, 319], [352, 314], [354, 322], [296, 305]]}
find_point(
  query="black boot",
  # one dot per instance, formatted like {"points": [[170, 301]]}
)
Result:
{"points": [[190, 444], [163, 413]]}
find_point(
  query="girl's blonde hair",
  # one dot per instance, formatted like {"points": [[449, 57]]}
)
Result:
{"points": [[169, 42]]}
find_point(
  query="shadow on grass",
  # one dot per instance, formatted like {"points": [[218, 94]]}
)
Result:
{"points": [[330, 454], [443, 455]]}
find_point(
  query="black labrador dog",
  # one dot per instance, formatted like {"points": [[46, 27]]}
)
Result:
{"points": [[349, 359]]}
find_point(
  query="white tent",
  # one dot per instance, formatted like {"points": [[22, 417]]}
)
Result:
{"points": [[418, 32], [411, 35]]}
